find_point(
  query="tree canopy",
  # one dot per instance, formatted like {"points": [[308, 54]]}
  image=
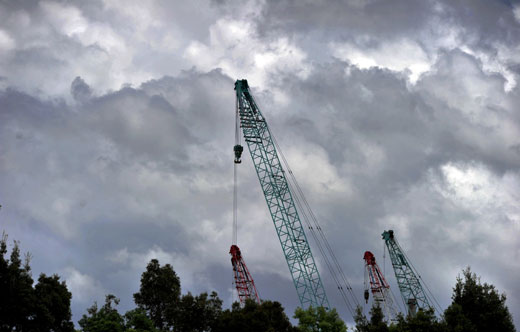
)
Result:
{"points": [[319, 320], [477, 307], [46, 307], [268, 316], [159, 294]]}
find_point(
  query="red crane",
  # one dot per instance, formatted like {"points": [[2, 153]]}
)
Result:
{"points": [[243, 281], [378, 286]]}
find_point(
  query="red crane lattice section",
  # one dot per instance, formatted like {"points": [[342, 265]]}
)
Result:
{"points": [[243, 281], [379, 287], [377, 280]]}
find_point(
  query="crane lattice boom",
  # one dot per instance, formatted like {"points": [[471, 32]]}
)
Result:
{"points": [[410, 287], [279, 200], [379, 287]]}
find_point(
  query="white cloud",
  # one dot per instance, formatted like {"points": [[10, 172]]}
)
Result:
{"points": [[84, 288], [66, 19], [190, 268], [516, 12], [475, 211], [475, 188], [401, 55], [325, 180], [6, 42], [235, 47]]}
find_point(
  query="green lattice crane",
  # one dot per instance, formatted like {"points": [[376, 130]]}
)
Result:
{"points": [[409, 284], [279, 199]]}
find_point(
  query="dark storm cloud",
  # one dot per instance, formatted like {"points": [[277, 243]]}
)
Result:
{"points": [[110, 177], [488, 20], [346, 17], [80, 90]]}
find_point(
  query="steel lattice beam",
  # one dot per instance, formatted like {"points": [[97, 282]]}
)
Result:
{"points": [[410, 287], [279, 200], [244, 283]]}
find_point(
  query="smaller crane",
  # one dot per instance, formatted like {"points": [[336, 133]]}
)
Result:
{"points": [[379, 287], [243, 281], [412, 292]]}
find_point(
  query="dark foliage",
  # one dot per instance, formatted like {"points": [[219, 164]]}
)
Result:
{"points": [[52, 305], [477, 307], [198, 313], [137, 321], [106, 319], [253, 317], [422, 321], [46, 307], [319, 320], [376, 323], [159, 294]]}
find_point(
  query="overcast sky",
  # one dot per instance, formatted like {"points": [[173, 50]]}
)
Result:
{"points": [[117, 129]]}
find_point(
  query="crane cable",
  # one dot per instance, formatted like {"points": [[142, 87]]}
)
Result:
{"points": [[323, 245], [429, 294], [333, 266], [235, 201], [235, 180], [398, 304]]}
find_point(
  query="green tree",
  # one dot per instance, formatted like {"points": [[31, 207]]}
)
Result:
{"points": [[198, 313], [159, 294], [106, 319], [319, 320], [24, 308], [16, 292], [137, 321], [52, 305], [477, 307], [253, 317], [422, 321], [376, 323]]}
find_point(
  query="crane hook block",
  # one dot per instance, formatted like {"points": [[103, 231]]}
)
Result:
{"points": [[366, 295], [238, 153]]}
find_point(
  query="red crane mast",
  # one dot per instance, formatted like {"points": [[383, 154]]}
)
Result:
{"points": [[243, 281], [378, 286]]}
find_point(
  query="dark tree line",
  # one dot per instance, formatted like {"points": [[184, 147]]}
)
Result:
{"points": [[161, 307]]}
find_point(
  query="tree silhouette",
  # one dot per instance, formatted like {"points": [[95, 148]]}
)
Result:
{"points": [[477, 307]]}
